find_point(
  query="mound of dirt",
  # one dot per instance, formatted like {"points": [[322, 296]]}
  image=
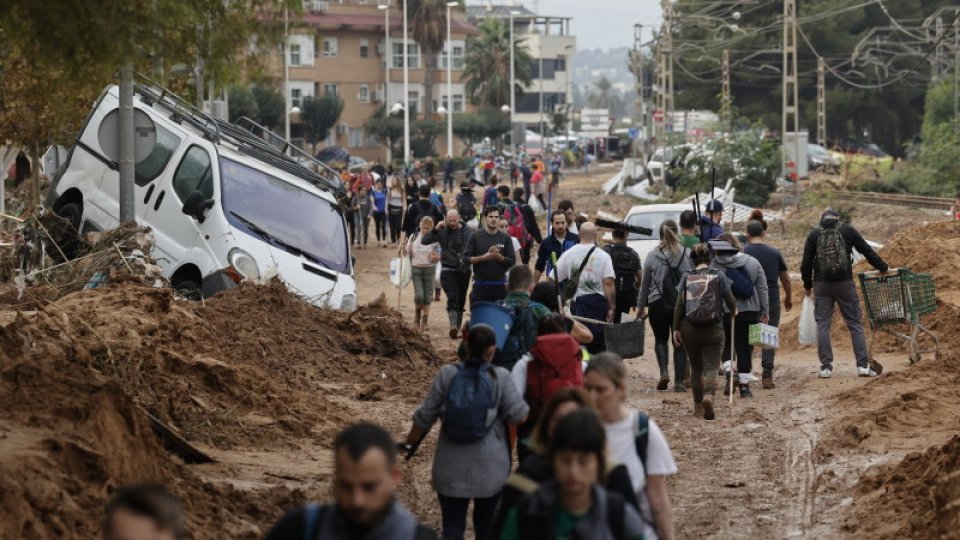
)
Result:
{"points": [[253, 367]]}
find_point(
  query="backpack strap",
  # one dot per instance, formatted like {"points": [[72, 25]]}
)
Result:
{"points": [[311, 521], [641, 437], [616, 516]]}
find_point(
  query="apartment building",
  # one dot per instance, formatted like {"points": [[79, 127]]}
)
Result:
{"points": [[548, 41], [340, 47]]}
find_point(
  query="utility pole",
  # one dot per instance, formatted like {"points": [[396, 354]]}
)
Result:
{"points": [[726, 100], [126, 150], [790, 99], [821, 102], [666, 84], [638, 113], [956, 73]]}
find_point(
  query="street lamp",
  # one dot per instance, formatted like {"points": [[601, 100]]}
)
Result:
{"points": [[387, 58], [449, 82], [295, 110], [441, 110], [286, 73], [406, 90], [513, 83], [506, 110]]}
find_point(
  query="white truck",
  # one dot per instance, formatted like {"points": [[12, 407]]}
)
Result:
{"points": [[224, 204]]}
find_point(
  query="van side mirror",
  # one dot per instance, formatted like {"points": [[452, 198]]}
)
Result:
{"points": [[196, 205]]}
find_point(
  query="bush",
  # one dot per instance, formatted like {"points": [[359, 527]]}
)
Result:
{"points": [[753, 163]]}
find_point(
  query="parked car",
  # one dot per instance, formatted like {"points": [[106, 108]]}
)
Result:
{"points": [[821, 160], [224, 205], [651, 216], [863, 155]]}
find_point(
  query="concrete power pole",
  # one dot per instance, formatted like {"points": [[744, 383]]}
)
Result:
{"points": [[665, 65], [726, 99], [126, 150], [821, 102], [639, 113], [791, 109]]}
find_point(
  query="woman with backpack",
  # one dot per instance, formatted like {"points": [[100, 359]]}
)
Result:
{"points": [[635, 440], [535, 469], [423, 262], [698, 325], [748, 284], [575, 505], [662, 271], [474, 401]]}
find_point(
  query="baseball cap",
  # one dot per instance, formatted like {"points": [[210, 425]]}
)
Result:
{"points": [[714, 206]]}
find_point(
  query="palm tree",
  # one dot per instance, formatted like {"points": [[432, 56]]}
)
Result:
{"points": [[487, 65], [429, 21], [604, 86]]}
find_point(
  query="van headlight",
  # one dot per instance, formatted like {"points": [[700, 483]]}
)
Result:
{"points": [[244, 264], [348, 303]]}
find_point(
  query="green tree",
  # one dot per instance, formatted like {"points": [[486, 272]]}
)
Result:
{"points": [[242, 103], [752, 163], [318, 115], [487, 65], [603, 86], [487, 122], [270, 106], [429, 23], [387, 128]]}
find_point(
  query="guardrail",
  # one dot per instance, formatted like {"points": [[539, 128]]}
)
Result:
{"points": [[893, 199]]}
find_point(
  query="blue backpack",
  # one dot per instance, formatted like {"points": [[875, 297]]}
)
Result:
{"points": [[740, 283], [470, 396]]}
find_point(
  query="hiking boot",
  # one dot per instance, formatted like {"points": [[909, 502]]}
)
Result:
{"points": [[745, 391], [663, 384], [679, 388], [708, 408], [416, 318], [726, 384], [768, 381], [454, 332], [826, 373], [865, 371]]}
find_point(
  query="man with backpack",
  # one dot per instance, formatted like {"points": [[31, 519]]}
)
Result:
{"points": [[629, 276], [526, 314], [698, 325], [827, 272], [555, 165], [365, 481], [748, 284], [418, 210], [586, 273], [452, 235], [512, 211], [474, 401]]}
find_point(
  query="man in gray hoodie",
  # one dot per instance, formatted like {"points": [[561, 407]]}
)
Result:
{"points": [[364, 486], [748, 284]]}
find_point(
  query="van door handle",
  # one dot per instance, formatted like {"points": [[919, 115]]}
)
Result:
{"points": [[156, 205], [146, 198]]}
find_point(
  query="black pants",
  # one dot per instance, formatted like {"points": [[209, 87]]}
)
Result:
{"points": [[380, 225], [488, 293], [396, 216], [455, 285], [453, 511], [741, 340], [661, 322], [525, 254], [447, 182], [352, 220]]}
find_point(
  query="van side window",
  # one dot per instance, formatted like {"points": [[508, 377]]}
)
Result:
{"points": [[150, 168], [194, 173]]}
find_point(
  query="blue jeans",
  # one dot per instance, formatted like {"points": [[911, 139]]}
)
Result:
{"points": [[592, 306], [453, 511]]}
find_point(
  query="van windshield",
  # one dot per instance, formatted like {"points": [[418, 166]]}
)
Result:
{"points": [[284, 215], [651, 220]]}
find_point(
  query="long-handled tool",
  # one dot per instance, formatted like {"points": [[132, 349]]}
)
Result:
{"points": [[733, 353]]}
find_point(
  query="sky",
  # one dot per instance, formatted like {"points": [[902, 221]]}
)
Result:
{"points": [[602, 24]]}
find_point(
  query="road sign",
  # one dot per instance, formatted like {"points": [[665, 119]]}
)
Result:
{"points": [[633, 133], [658, 116]]}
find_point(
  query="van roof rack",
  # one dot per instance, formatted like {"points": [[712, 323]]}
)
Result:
{"points": [[250, 138]]}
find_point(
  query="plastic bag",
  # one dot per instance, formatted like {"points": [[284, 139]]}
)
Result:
{"points": [[400, 272], [808, 323]]}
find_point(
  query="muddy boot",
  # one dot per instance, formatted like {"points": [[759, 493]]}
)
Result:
{"points": [[768, 380], [426, 315], [662, 351], [681, 375], [698, 409], [416, 318], [454, 324], [745, 391], [707, 405]]}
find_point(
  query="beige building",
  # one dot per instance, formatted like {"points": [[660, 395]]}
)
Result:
{"points": [[340, 47]]}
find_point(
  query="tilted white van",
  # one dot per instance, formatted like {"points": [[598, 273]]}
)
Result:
{"points": [[223, 203]]}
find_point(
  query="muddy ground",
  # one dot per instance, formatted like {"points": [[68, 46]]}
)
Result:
{"points": [[260, 383]]}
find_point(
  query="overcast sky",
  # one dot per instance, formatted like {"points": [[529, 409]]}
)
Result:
{"points": [[601, 24]]}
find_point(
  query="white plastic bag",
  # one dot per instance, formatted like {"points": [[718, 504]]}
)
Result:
{"points": [[400, 271], [808, 323]]}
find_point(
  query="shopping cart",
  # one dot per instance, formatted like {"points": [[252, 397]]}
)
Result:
{"points": [[899, 298]]}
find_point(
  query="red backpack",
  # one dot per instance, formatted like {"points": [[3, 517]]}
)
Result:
{"points": [[556, 364], [516, 225]]}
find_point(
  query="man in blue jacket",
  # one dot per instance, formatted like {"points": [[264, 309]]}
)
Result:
{"points": [[559, 241], [710, 222]]}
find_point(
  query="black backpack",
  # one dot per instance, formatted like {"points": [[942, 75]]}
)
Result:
{"points": [[671, 282], [831, 260], [467, 206], [626, 264]]}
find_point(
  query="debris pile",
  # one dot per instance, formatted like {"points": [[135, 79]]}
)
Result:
{"points": [[86, 380]]}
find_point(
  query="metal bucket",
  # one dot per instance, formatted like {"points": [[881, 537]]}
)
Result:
{"points": [[625, 339]]}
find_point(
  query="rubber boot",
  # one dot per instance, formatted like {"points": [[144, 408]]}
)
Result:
{"points": [[707, 405], [416, 318], [425, 316], [679, 370], [662, 351], [454, 324]]}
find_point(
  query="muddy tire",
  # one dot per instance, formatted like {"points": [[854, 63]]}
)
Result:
{"points": [[188, 288]]}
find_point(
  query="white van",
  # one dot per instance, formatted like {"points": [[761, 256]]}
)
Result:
{"points": [[223, 203], [651, 216]]}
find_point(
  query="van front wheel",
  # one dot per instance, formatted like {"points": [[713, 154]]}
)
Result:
{"points": [[68, 237]]}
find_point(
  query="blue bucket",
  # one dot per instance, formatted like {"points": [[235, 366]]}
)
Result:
{"points": [[494, 315]]}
